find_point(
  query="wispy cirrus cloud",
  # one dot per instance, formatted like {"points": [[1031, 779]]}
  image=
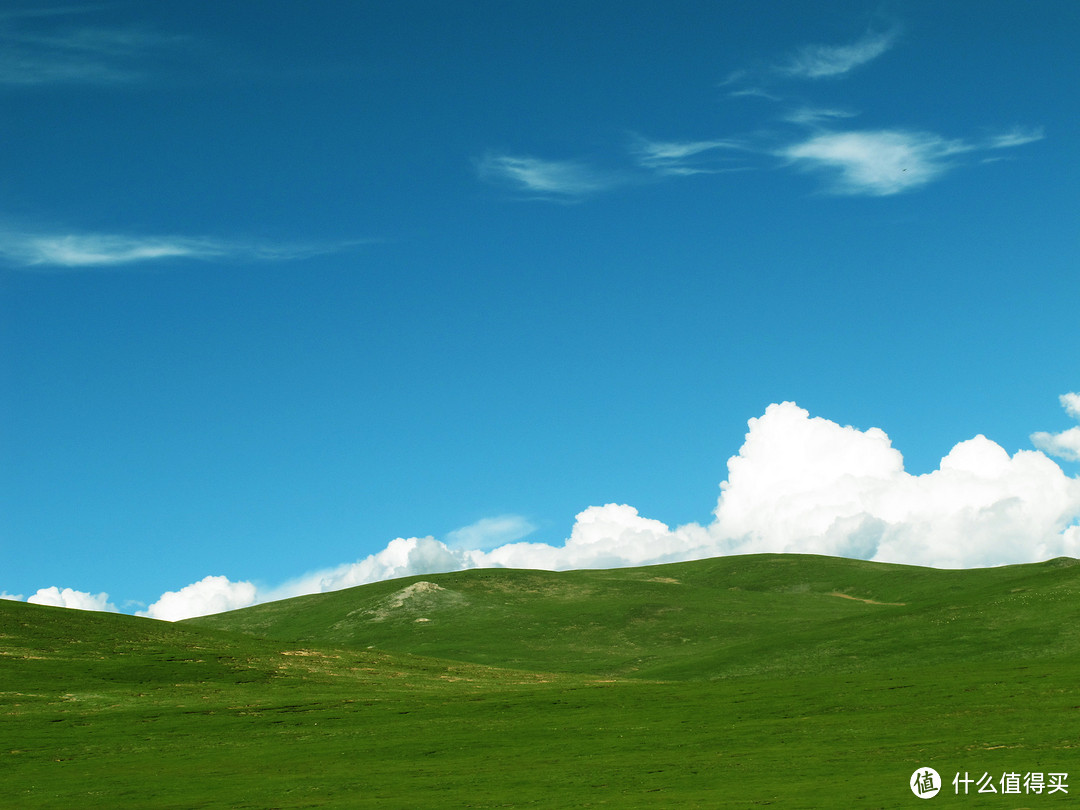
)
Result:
{"points": [[811, 116], [853, 162], [885, 162], [748, 84], [810, 62], [685, 157], [565, 180], [829, 61], [53, 46], [874, 163], [1015, 137], [77, 251], [490, 532]]}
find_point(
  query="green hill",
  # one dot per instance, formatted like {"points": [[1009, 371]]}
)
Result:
{"points": [[718, 618], [796, 681]]}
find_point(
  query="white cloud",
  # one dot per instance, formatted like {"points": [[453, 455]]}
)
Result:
{"points": [[826, 61], [402, 557], [809, 62], [1071, 404], [873, 162], [1015, 137], [69, 598], [41, 46], [815, 116], [14, 597], [552, 179], [683, 157], [802, 484], [608, 536], [208, 595], [878, 162], [94, 250], [799, 484], [490, 532], [1066, 444], [753, 92], [888, 161], [102, 249]]}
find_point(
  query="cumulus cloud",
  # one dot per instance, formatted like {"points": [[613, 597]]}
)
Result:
{"points": [[1071, 404], [609, 536], [208, 595], [1066, 444], [799, 484], [14, 597], [809, 484], [68, 598]]}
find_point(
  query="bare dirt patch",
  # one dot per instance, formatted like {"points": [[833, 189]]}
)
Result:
{"points": [[866, 601], [421, 597]]}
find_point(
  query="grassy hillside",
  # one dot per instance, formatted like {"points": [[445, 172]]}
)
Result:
{"points": [[800, 682], [718, 618]]}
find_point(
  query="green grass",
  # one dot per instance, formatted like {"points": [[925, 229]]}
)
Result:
{"points": [[735, 682]]}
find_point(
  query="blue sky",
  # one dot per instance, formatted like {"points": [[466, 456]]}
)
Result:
{"points": [[282, 285]]}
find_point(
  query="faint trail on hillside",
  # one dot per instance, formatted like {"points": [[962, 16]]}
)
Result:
{"points": [[867, 601]]}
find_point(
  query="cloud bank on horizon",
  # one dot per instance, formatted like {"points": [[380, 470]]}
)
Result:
{"points": [[799, 484]]}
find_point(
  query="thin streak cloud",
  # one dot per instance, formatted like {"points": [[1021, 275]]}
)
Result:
{"points": [[488, 533], [809, 62], [828, 61], [684, 157], [1015, 137], [551, 179], [38, 54], [95, 250], [817, 116]]}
